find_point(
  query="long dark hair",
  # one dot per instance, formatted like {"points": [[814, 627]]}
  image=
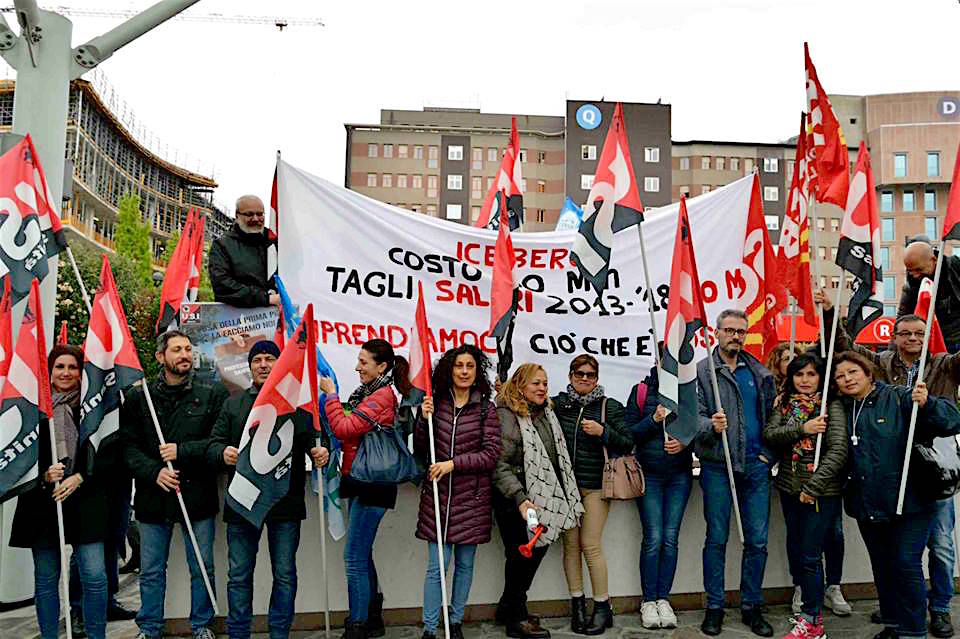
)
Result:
{"points": [[383, 353], [443, 372], [798, 363]]}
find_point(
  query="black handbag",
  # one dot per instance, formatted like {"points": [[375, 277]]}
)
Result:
{"points": [[383, 458], [935, 468]]}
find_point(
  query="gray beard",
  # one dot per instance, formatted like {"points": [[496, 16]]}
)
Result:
{"points": [[247, 229]]}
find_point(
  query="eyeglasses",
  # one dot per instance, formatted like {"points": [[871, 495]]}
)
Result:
{"points": [[909, 334], [730, 332], [584, 374], [250, 214]]}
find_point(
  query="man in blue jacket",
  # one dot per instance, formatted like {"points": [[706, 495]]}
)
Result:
{"points": [[747, 393]]}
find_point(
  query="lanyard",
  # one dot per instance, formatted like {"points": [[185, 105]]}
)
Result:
{"points": [[856, 417]]}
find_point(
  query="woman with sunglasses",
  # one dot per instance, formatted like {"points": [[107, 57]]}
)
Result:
{"points": [[593, 428]]}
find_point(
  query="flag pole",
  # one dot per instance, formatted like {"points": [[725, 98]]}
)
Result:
{"points": [[321, 472], [793, 326], [646, 276], [920, 371], [64, 566], [183, 506], [726, 448], [436, 515], [815, 258], [830, 352], [83, 289]]}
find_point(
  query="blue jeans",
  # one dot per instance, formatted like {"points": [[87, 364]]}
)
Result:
{"points": [[118, 520], [243, 541], [753, 493], [833, 550], [154, 551], [46, 575], [462, 580], [362, 580], [941, 557], [807, 529], [661, 512], [896, 554]]}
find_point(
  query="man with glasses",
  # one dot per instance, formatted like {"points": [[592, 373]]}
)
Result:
{"points": [[920, 261], [747, 392], [238, 259], [899, 366]]}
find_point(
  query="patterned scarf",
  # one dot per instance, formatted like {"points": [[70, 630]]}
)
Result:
{"points": [[558, 502], [369, 388], [589, 398], [800, 409], [64, 428]]}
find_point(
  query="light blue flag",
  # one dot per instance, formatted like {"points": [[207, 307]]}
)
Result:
{"points": [[336, 522], [570, 216]]}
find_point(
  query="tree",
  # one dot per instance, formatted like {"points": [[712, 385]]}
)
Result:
{"points": [[132, 239]]}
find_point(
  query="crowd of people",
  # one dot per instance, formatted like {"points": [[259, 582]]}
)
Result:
{"points": [[523, 457]]}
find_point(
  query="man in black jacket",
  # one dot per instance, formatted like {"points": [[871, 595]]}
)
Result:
{"points": [[920, 260], [283, 520], [238, 259], [186, 411]]}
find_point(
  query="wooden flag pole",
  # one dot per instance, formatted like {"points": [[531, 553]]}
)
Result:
{"points": [[436, 514], [920, 371], [64, 566], [833, 343], [726, 448], [815, 258], [321, 473]]}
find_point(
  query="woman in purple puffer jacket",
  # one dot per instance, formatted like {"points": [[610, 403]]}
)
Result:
{"points": [[467, 442]]}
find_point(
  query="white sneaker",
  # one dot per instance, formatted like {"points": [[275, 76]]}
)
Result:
{"points": [[649, 616], [797, 600], [668, 619], [833, 599]]}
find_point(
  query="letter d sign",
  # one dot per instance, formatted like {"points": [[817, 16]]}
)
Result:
{"points": [[949, 107]]}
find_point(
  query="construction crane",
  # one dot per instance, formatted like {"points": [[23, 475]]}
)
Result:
{"points": [[279, 22]]}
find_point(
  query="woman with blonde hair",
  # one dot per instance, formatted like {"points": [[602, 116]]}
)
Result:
{"points": [[533, 473]]}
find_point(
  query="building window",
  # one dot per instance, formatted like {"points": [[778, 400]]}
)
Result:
{"points": [[833, 254], [929, 200], [734, 164], [704, 189], [432, 181], [401, 181], [887, 229], [455, 182], [835, 282], [771, 165], [586, 182], [417, 152], [541, 216], [822, 252], [651, 184], [930, 227], [432, 210], [371, 179], [372, 150], [890, 310], [523, 185], [685, 191], [651, 154], [773, 222], [747, 166], [791, 167], [387, 181], [388, 150], [886, 201], [823, 281], [705, 163], [541, 157], [684, 164], [523, 155], [889, 287], [433, 157], [588, 152], [720, 163], [417, 181], [415, 208], [899, 165], [908, 204], [933, 163], [474, 216], [541, 188], [885, 258], [477, 154], [771, 193], [476, 187], [402, 151], [489, 184], [454, 152], [820, 224], [834, 224], [454, 211], [492, 154]]}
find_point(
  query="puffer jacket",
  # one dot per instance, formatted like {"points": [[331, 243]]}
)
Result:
{"points": [[876, 460], [238, 268], [586, 451], [795, 472], [648, 434], [470, 436]]}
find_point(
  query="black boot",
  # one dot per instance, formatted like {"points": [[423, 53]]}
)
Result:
{"points": [[601, 619], [940, 625], [712, 621], [753, 618], [375, 627], [354, 630], [456, 631], [578, 614]]}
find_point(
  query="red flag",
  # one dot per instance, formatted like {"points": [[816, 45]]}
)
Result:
{"points": [[177, 278], [25, 401], [63, 339], [278, 335], [506, 188], [831, 158], [504, 296], [937, 344], [613, 205], [288, 397], [110, 362], [6, 331], [196, 258], [760, 269], [685, 316], [794, 255], [951, 222], [420, 373]]}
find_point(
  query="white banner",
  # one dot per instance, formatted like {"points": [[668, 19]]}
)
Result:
{"points": [[359, 260]]}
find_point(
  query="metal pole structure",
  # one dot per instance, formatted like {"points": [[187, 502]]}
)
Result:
{"points": [[815, 258], [646, 276], [833, 343], [436, 514], [920, 371], [83, 288], [183, 506], [726, 448], [64, 566], [793, 326], [323, 547]]}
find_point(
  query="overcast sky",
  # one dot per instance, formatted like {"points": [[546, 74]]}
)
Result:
{"points": [[231, 94]]}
